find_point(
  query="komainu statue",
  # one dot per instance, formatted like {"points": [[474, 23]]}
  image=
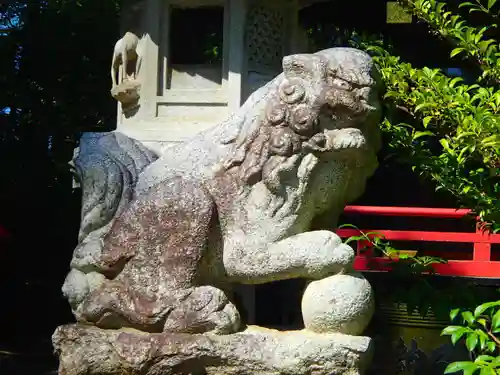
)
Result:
{"points": [[163, 239]]}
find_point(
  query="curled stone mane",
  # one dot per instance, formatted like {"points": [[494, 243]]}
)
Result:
{"points": [[319, 104], [285, 118]]}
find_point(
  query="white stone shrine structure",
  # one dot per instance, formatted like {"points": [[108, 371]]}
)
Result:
{"points": [[171, 99]]}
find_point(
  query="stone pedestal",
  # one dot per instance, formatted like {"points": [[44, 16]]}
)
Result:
{"points": [[86, 350]]}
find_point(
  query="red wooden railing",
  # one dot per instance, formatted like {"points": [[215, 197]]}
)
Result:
{"points": [[481, 264]]}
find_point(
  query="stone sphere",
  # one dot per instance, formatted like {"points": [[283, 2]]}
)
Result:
{"points": [[341, 303]]}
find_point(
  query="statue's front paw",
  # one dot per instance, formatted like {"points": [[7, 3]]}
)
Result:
{"points": [[328, 255]]}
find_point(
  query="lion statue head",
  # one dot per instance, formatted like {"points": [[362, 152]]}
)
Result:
{"points": [[315, 127]]}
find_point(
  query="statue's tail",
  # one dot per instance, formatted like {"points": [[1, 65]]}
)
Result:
{"points": [[107, 167]]}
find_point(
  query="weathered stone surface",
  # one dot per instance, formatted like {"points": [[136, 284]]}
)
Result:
{"points": [[127, 93], [108, 167], [86, 350], [162, 244], [234, 204], [340, 303], [128, 51]]}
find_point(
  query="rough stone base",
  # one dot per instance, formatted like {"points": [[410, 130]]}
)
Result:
{"points": [[87, 350]]}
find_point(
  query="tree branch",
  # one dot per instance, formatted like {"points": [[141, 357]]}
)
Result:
{"points": [[494, 338]]}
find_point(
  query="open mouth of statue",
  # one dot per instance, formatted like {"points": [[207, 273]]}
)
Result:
{"points": [[340, 129]]}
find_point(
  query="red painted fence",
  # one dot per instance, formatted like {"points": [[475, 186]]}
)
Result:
{"points": [[481, 264]]}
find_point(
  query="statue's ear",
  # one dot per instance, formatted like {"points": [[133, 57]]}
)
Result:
{"points": [[296, 65]]}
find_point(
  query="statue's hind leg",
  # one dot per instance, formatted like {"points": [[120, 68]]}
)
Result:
{"points": [[115, 305], [154, 255], [194, 310], [206, 309]]}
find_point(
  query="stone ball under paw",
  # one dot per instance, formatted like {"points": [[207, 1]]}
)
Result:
{"points": [[342, 303]]}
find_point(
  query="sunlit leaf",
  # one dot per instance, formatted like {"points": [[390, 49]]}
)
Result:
{"points": [[471, 341], [460, 366]]}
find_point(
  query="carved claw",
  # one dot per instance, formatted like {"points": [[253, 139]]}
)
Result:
{"points": [[317, 143]]}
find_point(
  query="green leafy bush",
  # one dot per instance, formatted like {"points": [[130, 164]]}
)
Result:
{"points": [[448, 130], [456, 141], [480, 330]]}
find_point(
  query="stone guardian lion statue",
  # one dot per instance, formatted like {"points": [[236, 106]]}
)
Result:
{"points": [[163, 238]]}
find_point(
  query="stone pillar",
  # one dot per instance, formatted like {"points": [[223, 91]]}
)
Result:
{"points": [[236, 56], [149, 73], [269, 37]]}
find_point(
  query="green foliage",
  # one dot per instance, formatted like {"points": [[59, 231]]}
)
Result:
{"points": [[448, 130], [468, 41], [396, 13], [399, 261], [480, 331], [453, 135]]}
